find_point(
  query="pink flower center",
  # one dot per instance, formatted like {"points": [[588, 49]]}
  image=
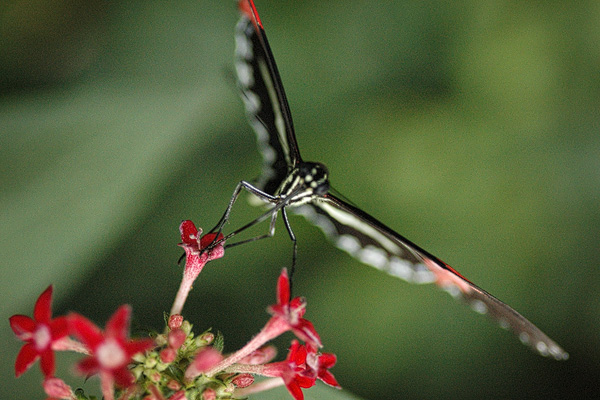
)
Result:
{"points": [[42, 337], [110, 354]]}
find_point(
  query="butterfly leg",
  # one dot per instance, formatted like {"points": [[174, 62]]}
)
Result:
{"points": [[236, 193], [271, 213], [295, 245]]}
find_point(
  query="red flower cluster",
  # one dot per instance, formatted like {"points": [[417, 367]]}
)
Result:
{"points": [[303, 365], [176, 365]]}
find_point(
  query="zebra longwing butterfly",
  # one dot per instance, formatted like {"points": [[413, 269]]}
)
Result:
{"points": [[287, 181]]}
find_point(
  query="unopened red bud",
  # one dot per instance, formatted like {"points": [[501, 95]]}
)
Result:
{"points": [[209, 394], [173, 385], [243, 380], [176, 338], [57, 388], [175, 321], [168, 355]]}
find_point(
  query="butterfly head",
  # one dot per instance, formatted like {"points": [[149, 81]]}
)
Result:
{"points": [[307, 180], [315, 176]]}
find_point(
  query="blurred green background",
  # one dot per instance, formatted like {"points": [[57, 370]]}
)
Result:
{"points": [[471, 127]]}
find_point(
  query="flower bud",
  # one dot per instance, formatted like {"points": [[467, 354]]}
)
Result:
{"points": [[57, 388], [175, 321], [243, 380]]}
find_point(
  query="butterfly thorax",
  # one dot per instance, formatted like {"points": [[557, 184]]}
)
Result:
{"points": [[304, 182]]}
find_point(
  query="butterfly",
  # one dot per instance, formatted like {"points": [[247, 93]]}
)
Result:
{"points": [[287, 181]]}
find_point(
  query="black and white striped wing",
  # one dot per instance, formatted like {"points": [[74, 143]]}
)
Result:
{"points": [[373, 243], [265, 101]]}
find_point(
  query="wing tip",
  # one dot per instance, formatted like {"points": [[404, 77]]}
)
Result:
{"points": [[249, 10], [545, 348]]}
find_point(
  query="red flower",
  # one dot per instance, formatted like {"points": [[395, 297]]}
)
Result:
{"points": [[40, 333], [292, 312], [302, 367], [111, 350], [195, 244], [196, 258], [294, 377], [293, 371], [318, 365]]}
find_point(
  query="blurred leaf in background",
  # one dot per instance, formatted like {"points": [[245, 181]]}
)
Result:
{"points": [[470, 127]]}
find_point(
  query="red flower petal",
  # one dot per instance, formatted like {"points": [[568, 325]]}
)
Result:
{"points": [[283, 288], [299, 305], [138, 346], [327, 360], [305, 381], [85, 330], [295, 390], [297, 353], [42, 311], [189, 233], [123, 377], [328, 378], [59, 328], [47, 363], [118, 325], [23, 326], [88, 366], [26, 357], [207, 239], [306, 331]]}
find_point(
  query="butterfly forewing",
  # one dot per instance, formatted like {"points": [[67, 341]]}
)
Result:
{"points": [[265, 101]]}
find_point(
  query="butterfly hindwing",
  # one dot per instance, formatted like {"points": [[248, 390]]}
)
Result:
{"points": [[373, 243]]}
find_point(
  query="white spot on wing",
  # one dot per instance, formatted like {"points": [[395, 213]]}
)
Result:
{"points": [[524, 338], [268, 154], [319, 220], [479, 306], [348, 243], [453, 290], [373, 256], [542, 348], [558, 353], [251, 101], [244, 74], [401, 268], [243, 47], [423, 275]]}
